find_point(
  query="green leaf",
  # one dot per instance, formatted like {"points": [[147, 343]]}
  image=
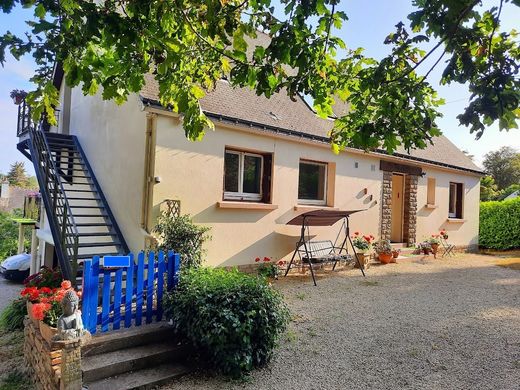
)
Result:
{"points": [[40, 11]]}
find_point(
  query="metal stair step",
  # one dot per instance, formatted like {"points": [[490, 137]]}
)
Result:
{"points": [[95, 224], [87, 215], [77, 198], [75, 190], [93, 234], [89, 255], [95, 244], [86, 207]]}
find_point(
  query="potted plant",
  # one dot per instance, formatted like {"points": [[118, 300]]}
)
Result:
{"points": [[395, 253], [424, 247], [268, 269], [362, 245], [434, 243], [18, 96], [384, 251], [443, 234]]}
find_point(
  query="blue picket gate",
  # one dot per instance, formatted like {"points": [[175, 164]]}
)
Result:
{"points": [[116, 293]]}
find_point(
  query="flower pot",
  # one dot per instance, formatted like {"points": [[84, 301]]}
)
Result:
{"points": [[395, 254], [47, 332], [435, 248], [363, 260], [385, 258], [30, 313]]}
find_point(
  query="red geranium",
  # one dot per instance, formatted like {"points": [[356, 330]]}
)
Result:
{"points": [[39, 310], [257, 259], [267, 259], [66, 284]]}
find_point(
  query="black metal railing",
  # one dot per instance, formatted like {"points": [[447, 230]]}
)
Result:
{"points": [[25, 122], [62, 223]]}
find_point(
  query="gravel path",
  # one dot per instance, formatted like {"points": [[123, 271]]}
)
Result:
{"points": [[8, 291], [418, 324]]}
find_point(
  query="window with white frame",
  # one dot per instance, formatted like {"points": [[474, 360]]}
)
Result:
{"points": [[312, 183], [244, 176]]}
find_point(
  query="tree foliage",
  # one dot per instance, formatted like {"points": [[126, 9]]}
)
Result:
{"points": [[488, 189], [17, 176], [189, 45], [504, 166]]}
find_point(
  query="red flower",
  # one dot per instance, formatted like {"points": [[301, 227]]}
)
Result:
{"points": [[39, 310], [66, 284], [281, 262], [45, 290], [257, 259], [266, 259], [356, 233]]}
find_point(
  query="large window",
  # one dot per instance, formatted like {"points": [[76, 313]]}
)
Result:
{"points": [[456, 200], [246, 176], [312, 183]]}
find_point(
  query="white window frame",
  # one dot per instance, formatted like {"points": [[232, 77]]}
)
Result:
{"points": [[240, 195], [317, 202]]}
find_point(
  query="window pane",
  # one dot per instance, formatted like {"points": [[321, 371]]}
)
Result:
{"points": [[231, 161], [311, 184], [453, 193], [252, 172]]}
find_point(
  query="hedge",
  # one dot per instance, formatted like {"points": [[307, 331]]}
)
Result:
{"points": [[500, 224]]}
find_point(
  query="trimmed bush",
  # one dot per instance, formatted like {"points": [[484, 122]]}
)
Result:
{"points": [[234, 320], [500, 224], [183, 236], [12, 316]]}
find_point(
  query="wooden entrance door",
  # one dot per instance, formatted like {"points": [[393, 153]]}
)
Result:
{"points": [[396, 234]]}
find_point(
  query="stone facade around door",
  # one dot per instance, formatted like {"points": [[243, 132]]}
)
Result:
{"points": [[410, 208]]}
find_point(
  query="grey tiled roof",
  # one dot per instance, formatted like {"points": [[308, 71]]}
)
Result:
{"points": [[280, 112]]}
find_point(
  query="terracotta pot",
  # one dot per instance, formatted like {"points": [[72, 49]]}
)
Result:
{"points": [[395, 254], [30, 314], [363, 260], [385, 258], [47, 332], [435, 248], [426, 251]]}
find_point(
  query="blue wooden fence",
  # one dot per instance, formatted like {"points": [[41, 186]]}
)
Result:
{"points": [[127, 295]]}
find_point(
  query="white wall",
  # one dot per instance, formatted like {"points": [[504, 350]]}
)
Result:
{"points": [[193, 173], [112, 138]]}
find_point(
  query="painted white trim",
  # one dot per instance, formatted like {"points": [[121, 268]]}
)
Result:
{"points": [[241, 195]]}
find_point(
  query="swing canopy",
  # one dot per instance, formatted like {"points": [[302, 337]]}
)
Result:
{"points": [[321, 217]]}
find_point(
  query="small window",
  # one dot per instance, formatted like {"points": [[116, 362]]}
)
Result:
{"points": [[456, 200], [430, 197], [246, 177], [312, 183]]}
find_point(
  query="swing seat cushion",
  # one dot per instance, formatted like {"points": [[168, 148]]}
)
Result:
{"points": [[320, 252]]}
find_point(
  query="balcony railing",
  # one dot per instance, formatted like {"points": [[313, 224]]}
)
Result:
{"points": [[25, 122]]}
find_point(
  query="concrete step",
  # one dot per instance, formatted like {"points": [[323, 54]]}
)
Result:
{"points": [[97, 367], [127, 338], [142, 379]]}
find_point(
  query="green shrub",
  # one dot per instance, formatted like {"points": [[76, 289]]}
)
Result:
{"points": [[181, 235], [500, 224], [12, 316], [234, 320]]}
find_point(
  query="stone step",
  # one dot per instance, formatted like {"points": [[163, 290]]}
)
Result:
{"points": [[142, 379], [127, 338], [97, 367]]}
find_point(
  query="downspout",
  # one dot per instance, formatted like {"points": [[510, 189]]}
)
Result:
{"points": [[149, 169]]}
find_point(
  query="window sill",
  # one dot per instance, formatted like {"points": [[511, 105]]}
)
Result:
{"points": [[246, 205], [308, 207], [430, 206], [455, 220]]}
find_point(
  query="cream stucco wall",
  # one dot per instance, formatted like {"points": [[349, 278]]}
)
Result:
{"points": [[192, 172], [113, 139]]}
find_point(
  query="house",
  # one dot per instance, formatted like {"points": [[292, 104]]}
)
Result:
{"points": [[13, 197], [267, 161]]}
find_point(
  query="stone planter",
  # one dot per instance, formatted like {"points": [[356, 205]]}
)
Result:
{"points": [[47, 332], [363, 260], [385, 258]]}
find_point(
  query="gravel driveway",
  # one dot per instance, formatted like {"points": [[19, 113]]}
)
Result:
{"points": [[418, 324], [8, 291]]}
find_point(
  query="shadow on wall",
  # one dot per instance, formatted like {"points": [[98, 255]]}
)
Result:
{"points": [[214, 214], [274, 245]]}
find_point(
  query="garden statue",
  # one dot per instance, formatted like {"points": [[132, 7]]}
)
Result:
{"points": [[69, 324]]}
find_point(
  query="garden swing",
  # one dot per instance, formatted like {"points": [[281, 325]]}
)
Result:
{"points": [[324, 251]]}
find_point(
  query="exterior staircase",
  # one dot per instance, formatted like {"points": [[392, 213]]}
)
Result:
{"points": [[134, 358], [78, 213]]}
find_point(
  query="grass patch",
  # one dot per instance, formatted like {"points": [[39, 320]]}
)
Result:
{"points": [[513, 263], [16, 380], [300, 296]]}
